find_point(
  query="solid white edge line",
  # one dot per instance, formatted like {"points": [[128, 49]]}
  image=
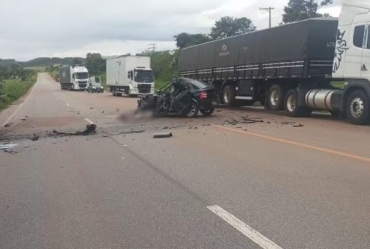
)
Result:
{"points": [[252, 234], [19, 107], [89, 121]]}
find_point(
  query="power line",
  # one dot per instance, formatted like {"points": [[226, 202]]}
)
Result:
{"points": [[152, 47], [269, 9]]}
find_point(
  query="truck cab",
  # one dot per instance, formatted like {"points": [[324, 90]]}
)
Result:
{"points": [[80, 78], [141, 80], [130, 75]]}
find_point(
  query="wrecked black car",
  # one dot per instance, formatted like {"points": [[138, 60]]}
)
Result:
{"points": [[184, 97]]}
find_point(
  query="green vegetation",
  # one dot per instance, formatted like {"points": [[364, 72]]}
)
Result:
{"points": [[298, 10], [13, 89], [225, 27]]}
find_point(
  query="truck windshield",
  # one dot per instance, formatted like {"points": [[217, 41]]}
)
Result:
{"points": [[144, 76], [82, 76]]}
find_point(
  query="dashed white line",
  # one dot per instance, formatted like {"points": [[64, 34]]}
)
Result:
{"points": [[89, 121], [252, 234]]}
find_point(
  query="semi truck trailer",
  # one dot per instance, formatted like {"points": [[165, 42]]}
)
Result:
{"points": [[130, 75], [73, 78], [315, 64]]}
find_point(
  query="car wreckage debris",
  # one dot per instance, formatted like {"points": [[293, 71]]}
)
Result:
{"points": [[162, 135], [8, 125], [124, 132], [35, 138], [90, 130]]}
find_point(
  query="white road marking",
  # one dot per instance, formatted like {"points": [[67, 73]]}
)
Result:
{"points": [[89, 121], [252, 234], [19, 107], [67, 105]]}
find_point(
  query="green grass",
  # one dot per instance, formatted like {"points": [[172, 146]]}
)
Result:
{"points": [[38, 69], [14, 89], [159, 83]]}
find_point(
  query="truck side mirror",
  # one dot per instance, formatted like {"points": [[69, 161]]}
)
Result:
{"points": [[128, 75]]}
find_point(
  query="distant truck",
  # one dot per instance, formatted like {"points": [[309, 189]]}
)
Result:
{"points": [[73, 78], [94, 85], [316, 64], [130, 75]]}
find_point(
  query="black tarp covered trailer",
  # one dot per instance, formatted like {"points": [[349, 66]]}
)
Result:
{"points": [[299, 50]]}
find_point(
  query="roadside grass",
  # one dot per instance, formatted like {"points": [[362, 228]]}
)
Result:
{"points": [[38, 69], [103, 79], [159, 83], [13, 89]]}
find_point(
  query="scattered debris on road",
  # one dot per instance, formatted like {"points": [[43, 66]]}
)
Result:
{"points": [[7, 146], [8, 124], [125, 132], [90, 130], [298, 125], [162, 135], [35, 138]]}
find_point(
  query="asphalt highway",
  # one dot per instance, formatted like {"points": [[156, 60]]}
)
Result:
{"points": [[243, 178]]}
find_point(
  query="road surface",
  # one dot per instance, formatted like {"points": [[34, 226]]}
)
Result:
{"points": [[225, 181]]}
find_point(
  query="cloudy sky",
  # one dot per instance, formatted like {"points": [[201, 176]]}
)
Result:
{"points": [[35, 28]]}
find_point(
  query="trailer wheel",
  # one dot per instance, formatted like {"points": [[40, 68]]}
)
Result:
{"points": [[357, 108], [228, 96], [276, 98], [291, 105]]}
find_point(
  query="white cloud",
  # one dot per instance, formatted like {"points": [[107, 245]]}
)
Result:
{"points": [[74, 27]]}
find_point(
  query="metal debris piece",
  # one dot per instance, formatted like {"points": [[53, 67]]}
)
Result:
{"points": [[298, 126], [35, 137], [90, 130], [163, 135], [8, 124], [7, 147]]}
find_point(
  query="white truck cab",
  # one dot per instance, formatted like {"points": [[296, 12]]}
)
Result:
{"points": [[130, 75], [352, 53], [73, 77]]}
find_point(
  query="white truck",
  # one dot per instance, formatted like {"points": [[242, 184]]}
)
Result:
{"points": [[130, 75], [73, 78], [315, 64]]}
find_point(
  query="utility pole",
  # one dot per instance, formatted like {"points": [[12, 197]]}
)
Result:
{"points": [[152, 47], [269, 9]]}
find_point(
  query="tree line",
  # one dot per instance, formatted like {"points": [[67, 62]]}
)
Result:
{"points": [[14, 71], [164, 63], [296, 10]]}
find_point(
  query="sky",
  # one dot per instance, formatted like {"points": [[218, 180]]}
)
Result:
{"points": [[61, 28]]}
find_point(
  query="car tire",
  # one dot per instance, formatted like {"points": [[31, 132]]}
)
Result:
{"points": [[276, 98], [207, 112], [193, 110], [357, 108]]}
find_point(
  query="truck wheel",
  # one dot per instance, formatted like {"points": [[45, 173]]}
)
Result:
{"points": [[291, 105], [276, 97], [72, 87], [357, 108], [228, 96]]}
